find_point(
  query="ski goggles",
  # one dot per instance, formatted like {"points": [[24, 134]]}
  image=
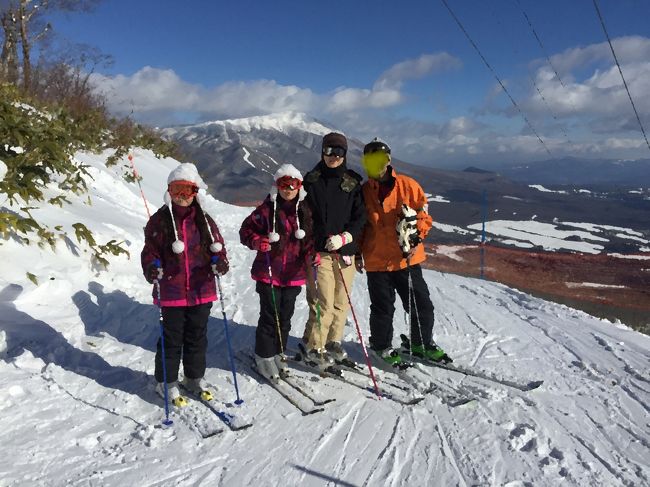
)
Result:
{"points": [[184, 189], [376, 146], [288, 183], [334, 151]]}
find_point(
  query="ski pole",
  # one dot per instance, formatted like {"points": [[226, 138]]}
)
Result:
{"points": [[356, 322], [275, 305], [315, 268], [411, 298], [213, 260], [137, 178], [167, 421]]}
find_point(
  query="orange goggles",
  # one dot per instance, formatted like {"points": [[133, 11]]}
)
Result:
{"points": [[288, 183], [183, 189]]}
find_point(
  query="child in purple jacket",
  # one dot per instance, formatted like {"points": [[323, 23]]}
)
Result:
{"points": [[180, 240], [280, 230]]}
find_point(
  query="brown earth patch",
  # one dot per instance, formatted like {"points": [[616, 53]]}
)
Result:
{"points": [[602, 285]]}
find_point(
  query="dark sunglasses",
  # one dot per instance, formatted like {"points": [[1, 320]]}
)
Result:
{"points": [[334, 151]]}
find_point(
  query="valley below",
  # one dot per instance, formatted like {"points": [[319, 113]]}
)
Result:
{"points": [[614, 287]]}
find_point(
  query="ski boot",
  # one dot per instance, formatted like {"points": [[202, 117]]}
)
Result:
{"points": [[268, 368], [430, 352], [173, 394], [199, 387], [282, 366]]}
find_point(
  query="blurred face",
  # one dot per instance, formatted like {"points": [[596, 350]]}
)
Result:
{"points": [[333, 156], [288, 187], [182, 192]]}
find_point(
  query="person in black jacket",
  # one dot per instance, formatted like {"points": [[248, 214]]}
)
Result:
{"points": [[339, 215]]}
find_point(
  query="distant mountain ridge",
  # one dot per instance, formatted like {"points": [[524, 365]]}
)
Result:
{"points": [[237, 158], [574, 171]]}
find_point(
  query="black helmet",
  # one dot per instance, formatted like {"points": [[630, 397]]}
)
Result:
{"points": [[376, 145]]}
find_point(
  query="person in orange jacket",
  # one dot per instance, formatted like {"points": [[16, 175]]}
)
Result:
{"points": [[392, 251]]}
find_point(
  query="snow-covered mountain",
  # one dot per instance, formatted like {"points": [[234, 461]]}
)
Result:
{"points": [[238, 157], [78, 406]]}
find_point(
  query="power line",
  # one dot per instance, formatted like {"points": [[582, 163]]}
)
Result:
{"points": [[505, 90], [602, 22], [548, 60]]}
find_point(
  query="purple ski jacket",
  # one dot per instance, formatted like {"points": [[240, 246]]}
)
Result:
{"points": [[187, 279], [287, 256]]}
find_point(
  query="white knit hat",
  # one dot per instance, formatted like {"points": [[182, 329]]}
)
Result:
{"points": [[188, 172], [291, 171]]}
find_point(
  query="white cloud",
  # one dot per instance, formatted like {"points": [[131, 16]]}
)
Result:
{"points": [[416, 68], [153, 90], [592, 82]]}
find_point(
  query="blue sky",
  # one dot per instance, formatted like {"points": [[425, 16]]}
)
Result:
{"points": [[403, 71]]}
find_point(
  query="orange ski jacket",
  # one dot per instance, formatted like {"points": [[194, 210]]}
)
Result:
{"points": [[379, 245]]}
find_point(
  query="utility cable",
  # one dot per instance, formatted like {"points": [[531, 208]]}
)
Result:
{"points": [[602, 22], [503, 87]]}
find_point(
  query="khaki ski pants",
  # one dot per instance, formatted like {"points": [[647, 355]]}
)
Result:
{"points": [[329, 302]]}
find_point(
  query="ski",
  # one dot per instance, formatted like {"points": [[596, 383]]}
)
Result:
{"points": [[194, 416], [357, 380], [235, 420], [450, 396], [300, 386], [295, 398], [478, 373]]}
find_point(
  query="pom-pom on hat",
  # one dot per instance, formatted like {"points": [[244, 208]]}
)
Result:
{"points": [[187, 172], [334, 139], [286, 170]]}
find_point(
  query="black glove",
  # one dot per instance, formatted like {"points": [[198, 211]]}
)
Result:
{"points": [[222, 266], [152, 273]]}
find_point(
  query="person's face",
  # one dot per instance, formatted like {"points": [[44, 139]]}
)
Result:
{"points": [[333, 156], [182, 192], [288, 187]]}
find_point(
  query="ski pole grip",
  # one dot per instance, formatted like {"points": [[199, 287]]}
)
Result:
{"points": [[158, 265], [213, 264]]}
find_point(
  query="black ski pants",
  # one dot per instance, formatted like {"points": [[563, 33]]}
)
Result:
{"points": [[267, 343], [382, 287], [185, 333]]}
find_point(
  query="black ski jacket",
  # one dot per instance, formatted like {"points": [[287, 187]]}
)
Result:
{"points": [[336, 201]]}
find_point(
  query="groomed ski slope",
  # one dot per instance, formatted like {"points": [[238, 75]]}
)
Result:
{"points": [[78, 408]]}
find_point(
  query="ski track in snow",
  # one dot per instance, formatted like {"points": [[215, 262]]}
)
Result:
{"points": [[77, 398]]}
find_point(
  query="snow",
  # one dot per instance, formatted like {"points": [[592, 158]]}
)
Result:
{"points": [[451, 251], [632, 256], [445, 227], [78, 407], [593, 285], [436, 198], [247, 156], [283, 122], [541, 188], [528, 233]]}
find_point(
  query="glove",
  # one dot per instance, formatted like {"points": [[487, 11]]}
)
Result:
{"points": [[153, 272], [358, 263], [221, 266], [262, 244], [407, 231], [335, 242]]}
